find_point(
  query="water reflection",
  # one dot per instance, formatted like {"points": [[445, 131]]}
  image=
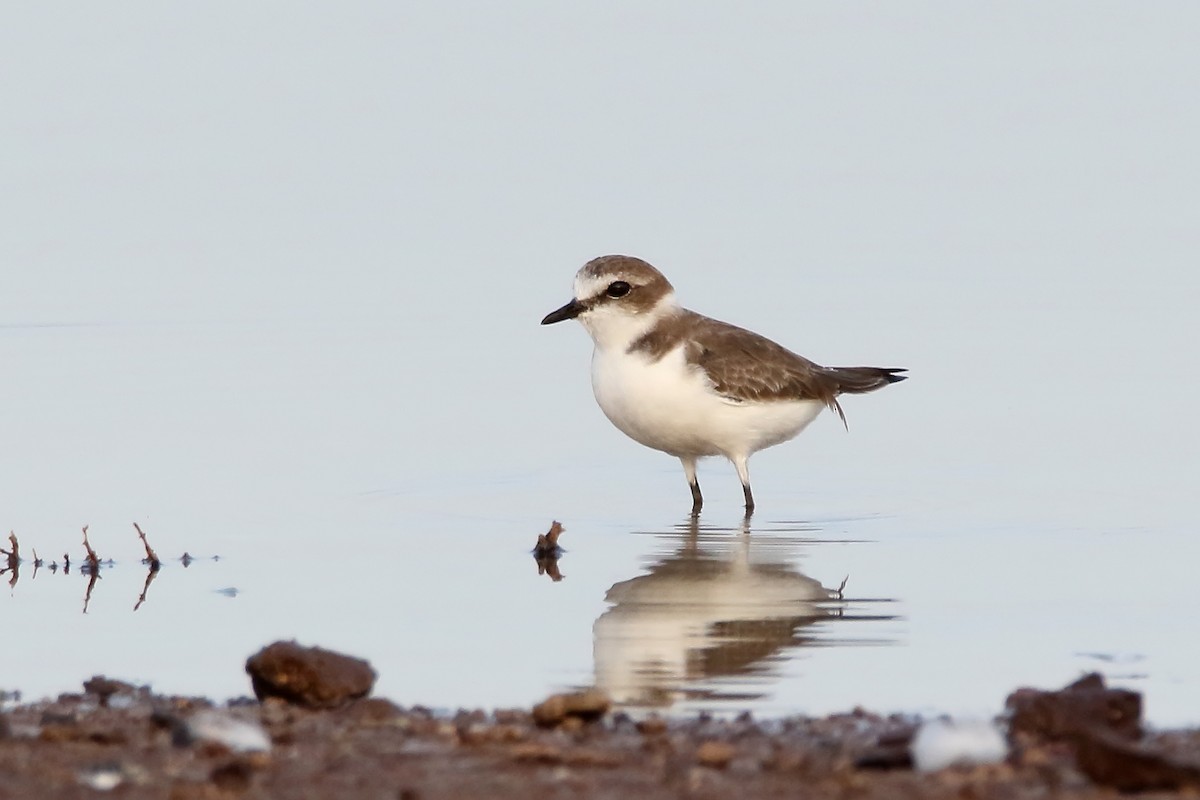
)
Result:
{"points": [[713, 619], [90, 566]]}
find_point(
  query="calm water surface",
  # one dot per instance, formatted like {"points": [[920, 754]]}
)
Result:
{"points": [[351, 505]]}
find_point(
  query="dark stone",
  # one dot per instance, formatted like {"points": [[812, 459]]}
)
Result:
{"points": [[1085, 705], [891, 751], [234, 776], [308, 676], [588, 706], [104, 688], [1110, 760]]}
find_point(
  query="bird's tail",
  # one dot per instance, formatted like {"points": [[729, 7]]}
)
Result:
{"points": [[860, 380]]}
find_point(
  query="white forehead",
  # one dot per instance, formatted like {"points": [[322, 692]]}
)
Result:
{"points": [[596, 275], [588, 284]]}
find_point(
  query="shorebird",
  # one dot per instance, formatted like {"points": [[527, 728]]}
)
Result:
{"points": [[692, 386]]}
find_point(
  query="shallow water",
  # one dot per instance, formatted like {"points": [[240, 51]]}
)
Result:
{"points": [[284, 311], [218, 442]]}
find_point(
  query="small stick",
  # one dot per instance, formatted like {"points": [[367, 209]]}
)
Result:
{"points": [[151, 556], [548, 542], [14, 560], [92, 559]]}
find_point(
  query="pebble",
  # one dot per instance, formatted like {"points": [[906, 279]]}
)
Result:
{"points": [[221, 727], [309, 676], [715, 754], [586, 706], [941, 743]]}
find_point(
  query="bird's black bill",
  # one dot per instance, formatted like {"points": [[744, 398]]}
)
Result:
{"points": [[570, 311]]}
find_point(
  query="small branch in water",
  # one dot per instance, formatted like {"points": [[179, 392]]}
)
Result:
{"points": [[14, 560], [547, 543], [547, 551], [841, 588], [93, 561], [151, 557]]}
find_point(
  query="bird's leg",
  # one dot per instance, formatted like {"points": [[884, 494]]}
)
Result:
{"points": [[689, 471], [743, 470]]}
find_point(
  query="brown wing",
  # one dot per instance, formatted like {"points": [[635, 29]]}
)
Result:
{"points": [[745, 366]]}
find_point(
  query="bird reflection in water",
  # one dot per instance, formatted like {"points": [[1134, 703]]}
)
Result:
{"points": [[710, 621]]}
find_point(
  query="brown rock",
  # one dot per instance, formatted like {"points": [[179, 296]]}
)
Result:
{"points": [[715, 754], [308, 676], [374, 711], [652, 726], [1087, 704], [104, 688], [592, 757], [537, 753], [586, 706], [1110, 760]]}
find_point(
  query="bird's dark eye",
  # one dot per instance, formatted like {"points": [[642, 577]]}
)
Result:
{"points": [[618, 289]]}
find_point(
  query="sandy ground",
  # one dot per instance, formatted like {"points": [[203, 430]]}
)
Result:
{"points": [[127, 743]]}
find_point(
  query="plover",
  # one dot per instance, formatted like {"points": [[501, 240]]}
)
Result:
{"points": [[691, 386]]}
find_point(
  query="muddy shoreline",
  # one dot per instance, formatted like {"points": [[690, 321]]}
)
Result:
{"points": [[327, 738]]}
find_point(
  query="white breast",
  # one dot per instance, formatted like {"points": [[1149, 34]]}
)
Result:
{"points": [[669, 406]]}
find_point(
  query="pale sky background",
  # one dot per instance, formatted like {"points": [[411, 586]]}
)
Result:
{"points": [[270, 277]]}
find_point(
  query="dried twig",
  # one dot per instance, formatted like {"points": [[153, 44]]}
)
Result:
{"points": [[547, 551], [838, 593], [93, 561], [151, 557], [548, 542], [14, 560]]}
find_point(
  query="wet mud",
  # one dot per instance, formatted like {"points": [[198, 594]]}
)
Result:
{"points": [[328, 740]]}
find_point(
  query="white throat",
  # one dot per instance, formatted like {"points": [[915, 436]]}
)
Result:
{"points": [[614, 328]]}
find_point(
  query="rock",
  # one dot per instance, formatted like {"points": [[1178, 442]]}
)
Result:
{"points": [[1110, 760], [373, 711], [941, 743], [586, 706], [652, 726], [1086, 704], [892, 750], [308, 676], [537, 753], [715, 754], [103, 688], [221, 727], [102, 777]]}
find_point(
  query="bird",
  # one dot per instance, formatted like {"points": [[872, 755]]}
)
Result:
{"points": [[692, 386]]}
